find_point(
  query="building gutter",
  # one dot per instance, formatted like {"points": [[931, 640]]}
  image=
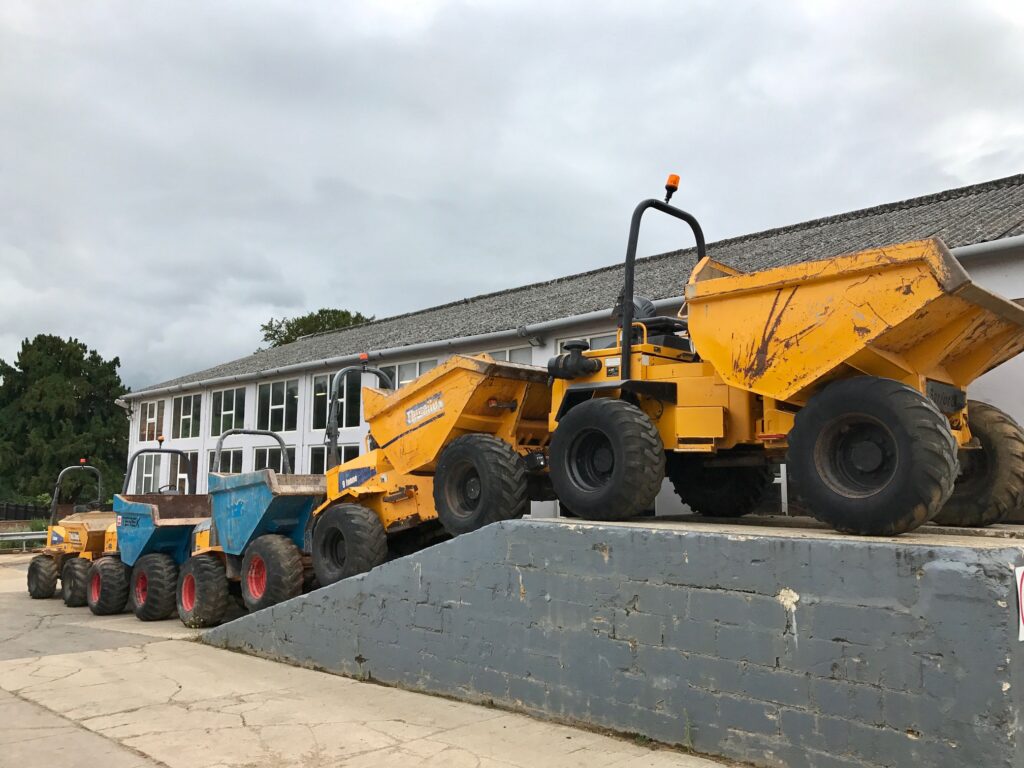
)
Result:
{"points": [[535, 333]]}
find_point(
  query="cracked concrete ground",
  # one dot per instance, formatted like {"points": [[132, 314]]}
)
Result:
{"points": [[82, 690]]}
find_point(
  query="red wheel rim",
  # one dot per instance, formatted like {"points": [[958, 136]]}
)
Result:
{"points": [[141, 588], [188, 592], [94, 588], [256, 578]]}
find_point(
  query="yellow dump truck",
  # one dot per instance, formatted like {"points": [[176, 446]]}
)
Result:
{"points": [[853, 370], [463, 445]]}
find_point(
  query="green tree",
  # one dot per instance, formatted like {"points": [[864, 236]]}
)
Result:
{"points": [[56, 407], [288, 329]]}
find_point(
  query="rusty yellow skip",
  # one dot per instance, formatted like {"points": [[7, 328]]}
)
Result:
{"points": [[852, 369]]}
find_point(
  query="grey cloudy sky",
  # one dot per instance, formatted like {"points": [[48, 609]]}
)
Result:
{"points": [[173, 174]]}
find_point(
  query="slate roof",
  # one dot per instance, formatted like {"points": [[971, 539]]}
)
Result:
{"points": [[962, 216]]}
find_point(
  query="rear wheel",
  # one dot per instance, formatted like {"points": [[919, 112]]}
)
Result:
{"points": [[153, 587], [202, 591], [872, 456], [607, 460], [108, 586], [271, 572], [74, 581], [718, 491], [991, 483], [42, 577], [348, 540], [479, 480]]}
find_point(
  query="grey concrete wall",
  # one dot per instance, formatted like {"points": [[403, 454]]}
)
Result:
{"points": [[779, 648]]}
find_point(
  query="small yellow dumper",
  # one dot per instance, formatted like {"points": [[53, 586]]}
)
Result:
{"points": [[463, 444]]}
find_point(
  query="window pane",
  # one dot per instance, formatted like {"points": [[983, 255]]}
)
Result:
{"points": [[522, 355], [215, 414], [276, 420], [197, 405], [353, 388], [602, 342], [176, 417], [291, 404], [426, 365], [349, 452], [390, 370], [277, 393], [238, 417], [498, 354], [263, 407], [320, 401], [317, 458], [406, 373], [159, 422]]}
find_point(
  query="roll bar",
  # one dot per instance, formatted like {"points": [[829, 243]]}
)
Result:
{"points": [[332, 416], [60, 479], [630, 269], [286, 465], [190, 473]]}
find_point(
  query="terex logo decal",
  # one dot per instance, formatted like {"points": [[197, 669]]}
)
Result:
{"points": [[420, 411], [352, 477]]}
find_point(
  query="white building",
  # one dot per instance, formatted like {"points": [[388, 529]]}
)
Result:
{"points": [[285, 388]]}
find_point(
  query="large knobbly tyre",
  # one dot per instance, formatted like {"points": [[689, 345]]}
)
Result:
{"points": [[607, 460], [991, 483], [717, 491], [74, 580], [271, 572], [202, 591], [347, 540], [872, 456], [479, 480], [153, 587], [108, 586], [42, 577]]}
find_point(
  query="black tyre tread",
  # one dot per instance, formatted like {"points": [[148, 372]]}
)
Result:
{"points": [[284, 570], [42, 577], [645, 459], [1001, 494], [718, 491], [366, 543], [211, 591], [162, 575], [933, 455], [74, 581], [504, 464], [115, 578]]}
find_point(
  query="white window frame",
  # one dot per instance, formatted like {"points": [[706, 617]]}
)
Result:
{"points": [[178, 477], [266, 463], [271, 407], [151, 413], [195, 410], [147, 473], [231, 453], [217, 426], [348, 451], [419, 366]]}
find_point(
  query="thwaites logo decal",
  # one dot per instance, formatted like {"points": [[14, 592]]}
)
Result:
{"points": [[351, 477], [75, 537], [420, 411]]}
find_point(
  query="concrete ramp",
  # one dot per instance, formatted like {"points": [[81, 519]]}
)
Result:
{"points": [[772, 645]]}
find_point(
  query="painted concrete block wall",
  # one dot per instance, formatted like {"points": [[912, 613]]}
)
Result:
{"points": [[782, 649]]}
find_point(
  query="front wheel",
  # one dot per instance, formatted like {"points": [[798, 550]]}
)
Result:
{"points": [[872, 456], [74, 580], [607, 460], [348, 539], [479, 480], [202, 591], [271, 572], [108, 586], [42, 577], [991, 484], [153, 585]]}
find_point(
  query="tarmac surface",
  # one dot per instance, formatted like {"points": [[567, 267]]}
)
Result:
{"points": [[84, 690]]}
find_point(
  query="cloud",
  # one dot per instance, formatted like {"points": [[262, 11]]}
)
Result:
{"points": [[174, 174]]}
